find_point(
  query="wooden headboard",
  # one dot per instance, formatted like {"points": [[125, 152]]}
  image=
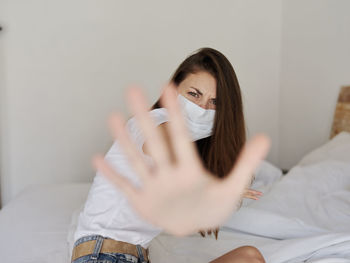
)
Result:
{"points": [[341, 120]]}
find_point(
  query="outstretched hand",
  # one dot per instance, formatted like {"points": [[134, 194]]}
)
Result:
{"points": [[176, 194]]}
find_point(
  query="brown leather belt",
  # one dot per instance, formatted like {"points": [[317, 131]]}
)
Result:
{"points": [[108, 246]]}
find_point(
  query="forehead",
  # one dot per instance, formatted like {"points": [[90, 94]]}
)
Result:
{"points": [[202, 81]]}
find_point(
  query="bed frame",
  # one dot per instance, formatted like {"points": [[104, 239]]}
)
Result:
{"points": [[341, 120]]}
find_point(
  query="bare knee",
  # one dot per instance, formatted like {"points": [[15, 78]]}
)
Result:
{"points": [[245, 254], [252, 253]]}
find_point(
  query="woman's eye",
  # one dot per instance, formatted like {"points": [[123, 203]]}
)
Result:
{"points": [[193, 94], [213, 101]]}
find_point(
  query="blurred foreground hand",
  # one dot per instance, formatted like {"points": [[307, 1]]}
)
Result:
{"points": [[176, 195]]}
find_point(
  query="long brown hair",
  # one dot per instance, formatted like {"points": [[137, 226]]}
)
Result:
{"points": [[219, 151]]}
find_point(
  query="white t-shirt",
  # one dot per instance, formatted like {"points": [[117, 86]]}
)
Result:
{"points": [[107, 211]]}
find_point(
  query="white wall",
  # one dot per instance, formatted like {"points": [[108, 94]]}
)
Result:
{"points": [[64, 66], [315, 64], [2, 106], [68, 62]]}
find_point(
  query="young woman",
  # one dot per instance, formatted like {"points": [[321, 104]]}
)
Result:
{"points": [[210, 99]]}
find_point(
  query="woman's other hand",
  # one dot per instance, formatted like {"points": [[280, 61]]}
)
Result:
{"points": [[252, 194], [176, 194]]}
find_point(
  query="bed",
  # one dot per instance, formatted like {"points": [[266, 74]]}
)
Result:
{"points": [[303, 216]]}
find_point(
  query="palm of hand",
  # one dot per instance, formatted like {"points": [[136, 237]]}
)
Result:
{"points": [[185, 198], [179, 195]]}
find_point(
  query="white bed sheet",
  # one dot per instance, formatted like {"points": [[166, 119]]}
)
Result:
{"points": [[34, 226]]}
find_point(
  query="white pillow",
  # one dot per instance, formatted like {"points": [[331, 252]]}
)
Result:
{"points": [[265, 176], [336, 149]]}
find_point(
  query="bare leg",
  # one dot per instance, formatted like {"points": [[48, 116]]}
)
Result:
{"points": [[246, 254]]}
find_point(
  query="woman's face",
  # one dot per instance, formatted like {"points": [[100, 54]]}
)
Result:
{"points": [[199, 88]]}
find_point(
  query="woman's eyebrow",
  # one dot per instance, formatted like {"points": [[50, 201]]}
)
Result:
{"points": [[200, 93]]}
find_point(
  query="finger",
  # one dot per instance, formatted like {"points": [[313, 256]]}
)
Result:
{"points": [[117, 180], [251, 155], [254, 192], [251, 197], [153, 137], [183, 148], [117, 125], [216, 231]]}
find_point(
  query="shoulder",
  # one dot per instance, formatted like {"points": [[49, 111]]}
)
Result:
{"points": [[159, 116]]}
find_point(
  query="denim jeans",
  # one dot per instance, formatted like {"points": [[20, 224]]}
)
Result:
{"points": [[97, 257]]}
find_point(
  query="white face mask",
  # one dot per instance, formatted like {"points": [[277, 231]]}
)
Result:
{"points": [[200, 121]]}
